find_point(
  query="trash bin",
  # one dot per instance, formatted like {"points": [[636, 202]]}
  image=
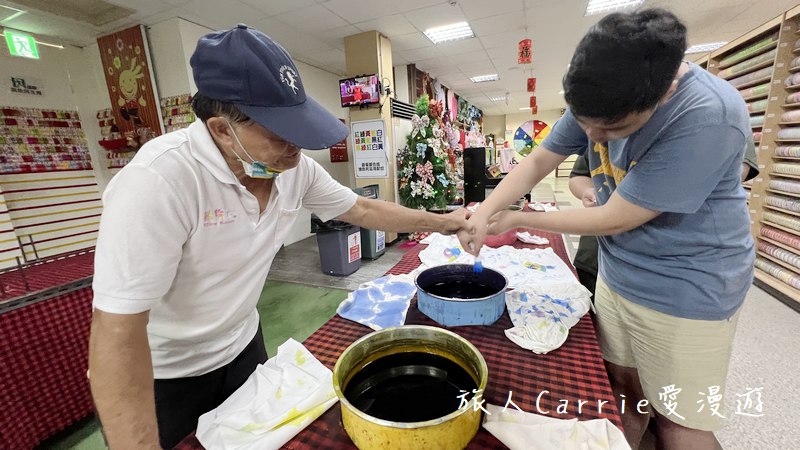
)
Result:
{"points": [[339, 246], [373, 242]]}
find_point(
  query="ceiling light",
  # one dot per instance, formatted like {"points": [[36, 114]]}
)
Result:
{"points": [[527, 108], [485, 78], [498, 99], [561, 92], [705, 48], [604, 6], [454, 32]]}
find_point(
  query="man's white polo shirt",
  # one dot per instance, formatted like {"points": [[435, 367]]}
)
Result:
{"points": [[182, 238]]}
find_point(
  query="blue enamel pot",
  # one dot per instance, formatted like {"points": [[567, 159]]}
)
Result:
{"points": [[455, 295]]}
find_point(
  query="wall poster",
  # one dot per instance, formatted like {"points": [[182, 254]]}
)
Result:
{"points": [[370, 151], [131, 88]]}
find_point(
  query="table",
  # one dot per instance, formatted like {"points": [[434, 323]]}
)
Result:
{"points": [[575, 372]]}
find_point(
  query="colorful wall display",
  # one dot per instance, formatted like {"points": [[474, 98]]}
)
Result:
{"points": [[129, 79]]}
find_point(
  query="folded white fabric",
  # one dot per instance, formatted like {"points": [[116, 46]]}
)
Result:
{"points": [[524, 431], [380, 303], [280, 399], [532, 239], [543, 314], [522, 267], [546, 207]]}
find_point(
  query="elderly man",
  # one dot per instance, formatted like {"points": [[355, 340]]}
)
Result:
{"points": [[190, 228]]}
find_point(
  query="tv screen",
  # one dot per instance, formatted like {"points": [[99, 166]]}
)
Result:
{"points": [[360, 90]]}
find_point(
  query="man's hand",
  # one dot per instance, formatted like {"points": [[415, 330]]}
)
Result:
{"points": [[589, 198], [504, 221], [456, 222], [472, 239]]}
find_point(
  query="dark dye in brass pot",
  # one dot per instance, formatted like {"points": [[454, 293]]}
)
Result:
{"points": [[468, 287], [409, 387]]}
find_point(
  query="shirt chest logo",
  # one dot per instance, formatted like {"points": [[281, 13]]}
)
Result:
{"points": [[219, 216]]}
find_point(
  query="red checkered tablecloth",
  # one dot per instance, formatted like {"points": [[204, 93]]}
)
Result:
{"points": [[575, 372], [43, 362]]}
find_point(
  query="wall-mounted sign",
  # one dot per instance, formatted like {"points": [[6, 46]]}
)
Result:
{"points": [[21, 44], [370, 149], [29, 86]]}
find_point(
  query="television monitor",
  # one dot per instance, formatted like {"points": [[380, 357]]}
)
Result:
{"points": [[364, 90]]}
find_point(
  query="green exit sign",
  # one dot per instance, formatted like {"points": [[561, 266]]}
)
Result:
{"points": [[21, 45]]}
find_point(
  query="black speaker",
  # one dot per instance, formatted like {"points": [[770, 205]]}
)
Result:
{"points": [[474, 175]]}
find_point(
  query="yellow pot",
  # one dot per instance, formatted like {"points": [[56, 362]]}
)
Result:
{"points": [[453, 431]]}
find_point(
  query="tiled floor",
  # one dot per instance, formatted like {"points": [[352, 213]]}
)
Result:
{"points": [[765, 353]]}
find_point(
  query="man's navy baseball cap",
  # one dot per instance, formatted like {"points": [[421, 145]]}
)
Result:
{"points": [[247, 68]]}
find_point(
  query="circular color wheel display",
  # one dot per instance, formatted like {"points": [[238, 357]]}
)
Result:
{"points": [[530, 134]]}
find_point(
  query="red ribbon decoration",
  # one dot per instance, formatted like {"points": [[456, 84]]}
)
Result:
{"points": [[531, 85], [533, 101]]}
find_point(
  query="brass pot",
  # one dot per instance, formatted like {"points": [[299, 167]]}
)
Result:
{"points": [[453, 431]]}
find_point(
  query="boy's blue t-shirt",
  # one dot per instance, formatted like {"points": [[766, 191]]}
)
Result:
{"points": [[695, 260]]}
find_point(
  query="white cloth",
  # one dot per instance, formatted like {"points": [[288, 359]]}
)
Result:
{"points": [[380, 303], [280, 399], [543, 314], [182, 238], [522, 267], [525, 431], [532, 239], [546, 207]]}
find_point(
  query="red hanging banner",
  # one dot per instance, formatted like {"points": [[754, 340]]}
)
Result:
{"points": [[524, 53], [531, 85], [534, 110], [533, 101]]}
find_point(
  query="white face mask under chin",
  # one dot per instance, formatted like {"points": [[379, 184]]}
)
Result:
{"points": [[253, 169]]}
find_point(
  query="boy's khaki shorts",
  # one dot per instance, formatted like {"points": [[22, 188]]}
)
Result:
{"points": [[669, 353]]}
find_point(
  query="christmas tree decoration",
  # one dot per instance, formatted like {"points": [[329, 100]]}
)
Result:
{"points": [[426, 166]]}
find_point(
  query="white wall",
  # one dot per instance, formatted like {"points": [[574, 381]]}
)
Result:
{"points": [[401, 83], [190, 34], [166, 52]]}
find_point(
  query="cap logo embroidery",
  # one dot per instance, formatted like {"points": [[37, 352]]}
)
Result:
{"points": [[289, 77]]}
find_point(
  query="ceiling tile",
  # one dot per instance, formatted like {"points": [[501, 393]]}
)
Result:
{"points": [[390, 26], [507, 39], [335, 36], [410, 5], [480, 9], [355, 11], [410, 42], [498, 24], [320, 16], [275, 7], [459, 47], [287, 36], [435, 16], [480, 66], [328, 57], [233, 13], [421, 53]]}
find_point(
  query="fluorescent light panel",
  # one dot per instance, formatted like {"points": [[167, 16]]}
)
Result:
{"points": [[705, 48], [485, 78], [498, 99], [604, 6], [454, 32], [527, 108]]}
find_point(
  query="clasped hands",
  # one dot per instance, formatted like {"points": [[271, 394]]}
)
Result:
{"points": [[472, 228]]}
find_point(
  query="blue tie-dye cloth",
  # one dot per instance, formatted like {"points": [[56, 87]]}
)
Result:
{"points": [[380, 303]]}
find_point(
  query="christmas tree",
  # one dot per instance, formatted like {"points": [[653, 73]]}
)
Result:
{"points": [[427, 164]]}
